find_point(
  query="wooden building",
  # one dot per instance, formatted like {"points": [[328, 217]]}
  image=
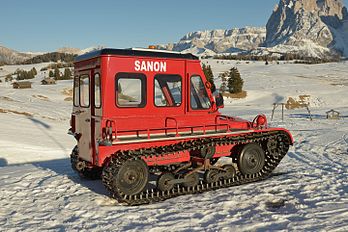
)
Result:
{"points": [[48, 81], [22, 85]]}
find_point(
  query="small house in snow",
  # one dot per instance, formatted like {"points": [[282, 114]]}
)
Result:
{"points": [[332, 114], [22, 85], [48, 81]]}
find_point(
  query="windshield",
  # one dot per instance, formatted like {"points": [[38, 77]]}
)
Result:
{"points": [[199, 96]]}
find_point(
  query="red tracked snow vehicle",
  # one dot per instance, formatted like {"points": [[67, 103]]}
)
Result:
{"points": [[147, 123]]}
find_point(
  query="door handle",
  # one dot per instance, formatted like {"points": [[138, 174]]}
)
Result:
{"points": [[79, 112], [87, 120]]}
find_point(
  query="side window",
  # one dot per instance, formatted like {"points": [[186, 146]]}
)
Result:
{"points": [[199, 96], [76, 91], [130, 90], [167, 90], [97, 88], [84, 91]]}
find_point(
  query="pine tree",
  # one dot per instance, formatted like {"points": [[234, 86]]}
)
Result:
{"points": [[57, 74], [209, 75], [31, 74], [34, 71], [67, 74], [19, 76], [235, 82], [223, 76]]}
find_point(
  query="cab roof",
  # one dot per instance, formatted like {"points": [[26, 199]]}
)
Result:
{"points": [[132, 52]]}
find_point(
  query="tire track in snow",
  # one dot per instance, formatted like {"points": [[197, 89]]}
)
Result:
{"points": [[345, 138], [334, 151]]}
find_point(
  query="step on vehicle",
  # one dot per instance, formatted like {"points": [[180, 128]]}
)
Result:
{"points": [[147, 124]]}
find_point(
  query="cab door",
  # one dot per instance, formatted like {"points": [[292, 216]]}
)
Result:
{"points": [[83, 113], [199, 100], [96, 112]]}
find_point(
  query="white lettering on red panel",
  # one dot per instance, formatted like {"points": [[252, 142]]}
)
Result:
{"points": [[153, 66]]}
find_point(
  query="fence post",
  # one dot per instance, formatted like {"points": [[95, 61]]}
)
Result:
{"points": [[274, 107]]}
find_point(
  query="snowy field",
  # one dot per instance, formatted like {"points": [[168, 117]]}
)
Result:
{"points": [[308, 191]]}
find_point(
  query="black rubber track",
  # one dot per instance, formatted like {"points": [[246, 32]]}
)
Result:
{"points": [[155, 195], [87, 173]]}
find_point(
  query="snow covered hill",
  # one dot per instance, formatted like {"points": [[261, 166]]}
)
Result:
{"points": [[10, 56], [78, 51], [308, 191]]}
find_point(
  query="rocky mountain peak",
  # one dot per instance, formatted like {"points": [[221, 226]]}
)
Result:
{"points": [[331, 8], [305, 5], [304, 22]]}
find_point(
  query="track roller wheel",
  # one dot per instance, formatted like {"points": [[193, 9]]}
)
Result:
{"points": [[211, 175], [191, 179], [272, 147], [163, 182], [130, 178], [251, 159], [230, 171]]}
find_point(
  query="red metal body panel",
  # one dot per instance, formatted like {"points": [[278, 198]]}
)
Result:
{"points": [[145, 126]]}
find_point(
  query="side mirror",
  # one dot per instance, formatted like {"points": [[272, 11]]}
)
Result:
{"points": [[219, 99]]}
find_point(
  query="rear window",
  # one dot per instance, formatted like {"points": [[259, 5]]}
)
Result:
{"points": [[130, 90], [97, 87], [84, 90], [76, 91]]}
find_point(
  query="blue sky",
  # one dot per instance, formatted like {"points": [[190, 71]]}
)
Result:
{"points": [[43, 25]]}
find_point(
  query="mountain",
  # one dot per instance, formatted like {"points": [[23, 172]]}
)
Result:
{"points": [[309, 28], [69, 50], [10, 56], [312, 27], [211, 42]]}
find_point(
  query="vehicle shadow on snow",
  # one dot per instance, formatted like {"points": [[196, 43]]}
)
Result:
{"points": [[63, 167], [45, 127], [314, 116], [307, 116]]}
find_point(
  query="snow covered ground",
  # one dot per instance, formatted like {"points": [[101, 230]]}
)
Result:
{"points": [[308, 191]]}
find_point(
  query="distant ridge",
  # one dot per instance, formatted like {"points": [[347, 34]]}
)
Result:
{"points": [[10, 56], [220, 41]]}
